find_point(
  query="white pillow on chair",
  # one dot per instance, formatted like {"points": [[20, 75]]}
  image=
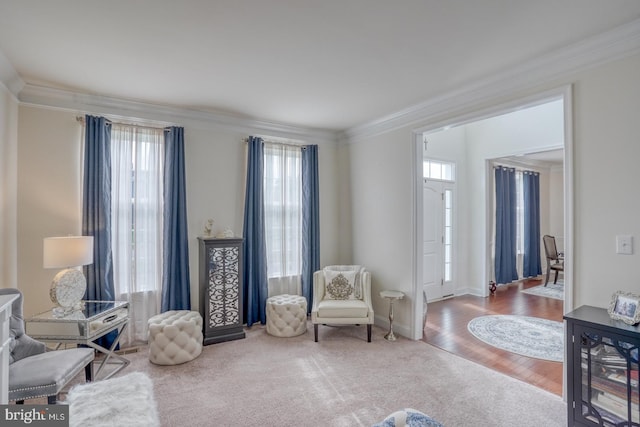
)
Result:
{"points": [[339, 285], [356, 282]]}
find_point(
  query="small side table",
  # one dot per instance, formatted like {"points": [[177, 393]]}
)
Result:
{"points": [[97, 319], [391, 296]]}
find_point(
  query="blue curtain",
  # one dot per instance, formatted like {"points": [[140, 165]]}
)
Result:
{"points": [[532, 266], [96, 208], [96, 214], [254, 281], [310, 221], [505, 250], [176, 287]]}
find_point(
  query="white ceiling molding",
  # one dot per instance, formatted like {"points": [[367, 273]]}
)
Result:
{"points": [[81, 103], [9, 76], [615, 44]]}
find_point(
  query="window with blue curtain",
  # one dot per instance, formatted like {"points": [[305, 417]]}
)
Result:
{"points": [[517, 244], [283, 217], [136, 210], [281, 223]]}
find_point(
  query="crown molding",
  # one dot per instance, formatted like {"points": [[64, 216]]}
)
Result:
{"points": [[9, 77], [609, 46], [82, 103]]}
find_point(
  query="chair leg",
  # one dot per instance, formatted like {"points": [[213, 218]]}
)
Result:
{"points": [[315, 332], [369, 332], [546, 280], [51, 400], [555, 279], [88, 372]]}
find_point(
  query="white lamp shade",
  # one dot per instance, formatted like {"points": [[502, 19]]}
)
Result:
{"points": [[71, 251]]}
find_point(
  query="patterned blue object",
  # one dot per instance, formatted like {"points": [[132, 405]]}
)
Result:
{"points": [[254, 293], [413, 419], [176, 294], [310, 221]]}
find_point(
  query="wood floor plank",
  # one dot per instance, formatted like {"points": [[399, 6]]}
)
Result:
{"points": [[446, 328]]}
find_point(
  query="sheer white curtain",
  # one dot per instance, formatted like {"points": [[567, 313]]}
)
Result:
{"points": [[136, 203], [283, 217]]}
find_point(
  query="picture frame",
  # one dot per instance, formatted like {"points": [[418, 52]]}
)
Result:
{"points": [[625, 306]]}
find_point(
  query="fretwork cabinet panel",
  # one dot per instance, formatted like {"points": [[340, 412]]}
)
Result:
{"points": [[221, 289]]}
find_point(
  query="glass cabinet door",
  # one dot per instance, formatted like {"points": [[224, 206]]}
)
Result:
{"points": [[609, 393]]}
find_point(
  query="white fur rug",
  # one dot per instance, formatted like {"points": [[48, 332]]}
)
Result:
{"points": [[121, 401]]}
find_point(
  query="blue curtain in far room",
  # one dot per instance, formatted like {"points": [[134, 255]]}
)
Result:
{"points": [[96, 213], [254, 280], [505, 240], [310, 221], [96, 208], [176, 293], [532, 265]]}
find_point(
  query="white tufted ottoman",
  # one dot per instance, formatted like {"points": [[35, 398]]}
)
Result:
{"points": [[286, 315], [175, 337]]}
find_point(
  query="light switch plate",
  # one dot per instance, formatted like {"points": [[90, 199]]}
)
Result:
{"points": [[624, 244]]}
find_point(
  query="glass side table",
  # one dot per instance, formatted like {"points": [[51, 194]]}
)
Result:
{"points": [[391, 296], [96, 320]]}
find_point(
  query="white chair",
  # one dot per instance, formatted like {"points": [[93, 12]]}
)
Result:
{"points": [[342, 296]]}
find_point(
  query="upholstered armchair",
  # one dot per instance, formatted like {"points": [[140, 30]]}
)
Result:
{"points": [[342, 296], [35, 372]]}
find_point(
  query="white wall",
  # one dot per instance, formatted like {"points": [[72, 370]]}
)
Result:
{"points": [[8, 188], [50, 191], [556, 207], [49, 194], [606, 104], [381, 182]]}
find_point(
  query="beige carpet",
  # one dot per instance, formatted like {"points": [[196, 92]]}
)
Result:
{"points": [[340, 381]]}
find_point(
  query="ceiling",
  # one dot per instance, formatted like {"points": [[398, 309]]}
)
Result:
{"points": [[332, 64]]}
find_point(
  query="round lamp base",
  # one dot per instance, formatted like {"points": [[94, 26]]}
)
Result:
{"points": [[67, 290]]}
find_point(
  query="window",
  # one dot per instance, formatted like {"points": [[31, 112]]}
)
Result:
{"points": [[434, 169], [283, 213], [137, 155]]}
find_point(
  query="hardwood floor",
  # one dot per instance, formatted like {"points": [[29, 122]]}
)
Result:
{"points": [[446, 328]]}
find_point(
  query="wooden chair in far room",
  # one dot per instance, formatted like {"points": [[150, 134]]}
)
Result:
{"points": [[555, 260]]}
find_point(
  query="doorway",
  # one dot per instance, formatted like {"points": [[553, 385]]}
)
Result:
{"points": [[473, 238], [535, 127]]}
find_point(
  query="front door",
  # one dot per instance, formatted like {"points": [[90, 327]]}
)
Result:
{"points": [[437, 239]]}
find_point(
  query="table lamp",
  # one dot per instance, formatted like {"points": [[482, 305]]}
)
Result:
{"points": [[69, 285]]}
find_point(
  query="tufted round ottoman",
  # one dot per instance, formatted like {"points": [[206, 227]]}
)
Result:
{"points": [[175, 337], [286, 315]]}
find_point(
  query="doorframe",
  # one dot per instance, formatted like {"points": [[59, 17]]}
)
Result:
{"points": [[566, 94]]}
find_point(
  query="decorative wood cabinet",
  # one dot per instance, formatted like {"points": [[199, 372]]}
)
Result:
{"points": [[602, 369], [221, 289]]}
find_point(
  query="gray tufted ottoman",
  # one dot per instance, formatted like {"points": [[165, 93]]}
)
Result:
{"points": [[286, 315], [175, 337]]}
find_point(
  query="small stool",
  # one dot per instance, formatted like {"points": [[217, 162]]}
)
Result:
{"points": [[286, 315], [175, 337]]}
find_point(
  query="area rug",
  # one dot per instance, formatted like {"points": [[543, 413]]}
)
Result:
{"points": [[552, 290], [527, 336], [120, 401]]}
